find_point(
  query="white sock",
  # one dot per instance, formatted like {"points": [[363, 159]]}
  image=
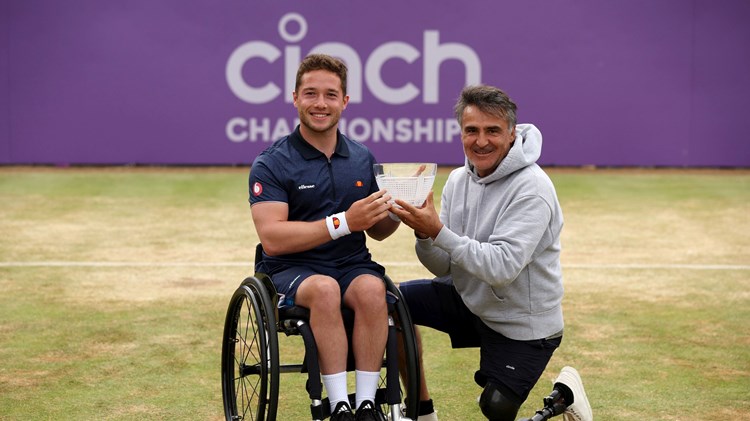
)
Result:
{"points": [[367, 384], [336, 388]]}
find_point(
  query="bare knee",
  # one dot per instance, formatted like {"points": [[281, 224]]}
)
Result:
{"points": [[319, 292], [366, 294]]}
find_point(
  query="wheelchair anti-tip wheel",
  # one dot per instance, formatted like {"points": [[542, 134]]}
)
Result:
{"points": [[250, 355]]}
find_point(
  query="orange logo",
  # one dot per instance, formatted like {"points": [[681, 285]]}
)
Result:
{"points": [[336, 223], [358, 183]]}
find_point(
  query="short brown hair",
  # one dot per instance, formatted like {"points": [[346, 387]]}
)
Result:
{"points": [[321, 62]]}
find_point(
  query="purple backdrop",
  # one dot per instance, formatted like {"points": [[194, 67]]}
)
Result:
{"points": [[631, 83]]}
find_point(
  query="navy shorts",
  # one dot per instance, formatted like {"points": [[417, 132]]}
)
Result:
{"points": [[287, 279], [511, 365]]}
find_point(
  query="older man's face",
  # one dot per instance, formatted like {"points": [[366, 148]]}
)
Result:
{"points": [[486, 139]]}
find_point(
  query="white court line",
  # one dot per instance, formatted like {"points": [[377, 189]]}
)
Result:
{"points": [[652, 266], [124, 264], [386, 264]]}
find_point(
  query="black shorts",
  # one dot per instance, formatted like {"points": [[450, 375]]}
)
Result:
{"points": [[513, 366]]}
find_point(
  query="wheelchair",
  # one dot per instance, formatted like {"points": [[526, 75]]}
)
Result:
{"points": [[250, 361]]}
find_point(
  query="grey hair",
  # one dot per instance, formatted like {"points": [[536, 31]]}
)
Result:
{"points": [[487, 99]]}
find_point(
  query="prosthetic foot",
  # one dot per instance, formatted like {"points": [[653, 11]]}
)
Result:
{"points": [[567, 398]]}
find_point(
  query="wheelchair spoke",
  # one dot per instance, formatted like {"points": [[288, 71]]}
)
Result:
{"points": [[249, 351], [249, 348], [248, 392]]}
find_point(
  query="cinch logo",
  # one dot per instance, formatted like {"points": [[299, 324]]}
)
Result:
{"points": [[433, 53]]}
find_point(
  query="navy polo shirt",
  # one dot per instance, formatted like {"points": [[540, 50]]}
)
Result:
{"points": [[294, 172]]}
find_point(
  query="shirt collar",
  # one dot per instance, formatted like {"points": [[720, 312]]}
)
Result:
{"points": [[309, 151]]}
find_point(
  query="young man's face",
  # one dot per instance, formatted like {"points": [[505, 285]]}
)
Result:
{"points": [[319, 101], [486, 139]]}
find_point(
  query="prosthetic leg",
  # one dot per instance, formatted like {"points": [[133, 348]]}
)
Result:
{"points": [[554, 404], [568, 396]]}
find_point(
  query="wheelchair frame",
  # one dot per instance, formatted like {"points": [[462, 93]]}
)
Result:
{"points": [[250, 363]]}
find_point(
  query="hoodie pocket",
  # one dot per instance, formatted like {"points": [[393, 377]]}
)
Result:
{"points": [[498, 297]]}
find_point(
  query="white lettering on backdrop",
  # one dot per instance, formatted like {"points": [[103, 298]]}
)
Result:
{"points": [[376, 130], [401, 130]]}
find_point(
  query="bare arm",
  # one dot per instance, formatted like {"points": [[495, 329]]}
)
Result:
{"points": [[280, 236], [384, 228]]}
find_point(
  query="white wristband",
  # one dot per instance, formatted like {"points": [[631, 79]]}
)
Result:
{"points": [[337, 226], [393, 216]]}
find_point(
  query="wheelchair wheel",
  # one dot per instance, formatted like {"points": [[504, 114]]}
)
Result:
{"points": [[407, 339], [250, 355]]}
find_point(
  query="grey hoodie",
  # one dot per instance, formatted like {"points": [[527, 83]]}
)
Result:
{"points": [[501, 242]]}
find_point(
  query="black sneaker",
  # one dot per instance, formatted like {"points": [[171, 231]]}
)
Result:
{"points": [[367, 411], [342, 412]]}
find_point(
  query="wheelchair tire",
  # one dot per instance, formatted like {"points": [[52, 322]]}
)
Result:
{"points": [[408, 340], [250, 355]]}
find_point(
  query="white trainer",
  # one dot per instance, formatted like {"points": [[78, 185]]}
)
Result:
{"points": [[580, 410]]}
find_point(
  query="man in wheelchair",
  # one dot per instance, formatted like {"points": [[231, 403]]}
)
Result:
{"points": [[313, 196]]}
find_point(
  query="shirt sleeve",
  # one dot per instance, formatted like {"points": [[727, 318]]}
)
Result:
{"points": [[265, 185]]}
